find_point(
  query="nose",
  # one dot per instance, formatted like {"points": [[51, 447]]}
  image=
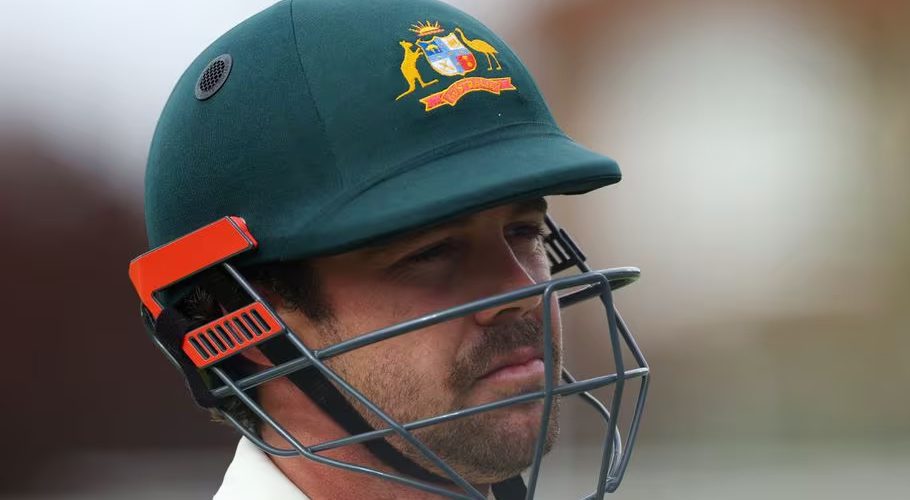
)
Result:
{"points": [[505, 273]]}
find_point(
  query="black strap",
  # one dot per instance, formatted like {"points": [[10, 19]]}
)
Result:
{"points": [[169, 330], [330, 399], [511, 489]]}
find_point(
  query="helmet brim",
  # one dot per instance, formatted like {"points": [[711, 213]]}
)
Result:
{"points": [[452, 186]]}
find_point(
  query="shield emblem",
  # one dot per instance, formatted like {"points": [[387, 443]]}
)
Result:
{"points": [[447, 55]]}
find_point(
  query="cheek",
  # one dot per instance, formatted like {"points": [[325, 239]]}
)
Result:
{"points": [[405, 376], [369, 304], [541, 269], [556, 321], [413, 365], [536, 264]]}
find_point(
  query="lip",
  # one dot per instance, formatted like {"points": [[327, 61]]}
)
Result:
{"points": [[523, 362]]}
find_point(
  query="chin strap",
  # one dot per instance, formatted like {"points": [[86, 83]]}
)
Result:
{"points": [[331, 401], [511, 489]]}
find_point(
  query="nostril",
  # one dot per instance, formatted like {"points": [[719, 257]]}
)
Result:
{"points": [[504, 314]]}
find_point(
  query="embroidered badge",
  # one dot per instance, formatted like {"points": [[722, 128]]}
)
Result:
{"points": [[451, 56]]}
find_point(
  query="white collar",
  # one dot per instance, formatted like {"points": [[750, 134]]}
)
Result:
{"points": [[253, 475]]}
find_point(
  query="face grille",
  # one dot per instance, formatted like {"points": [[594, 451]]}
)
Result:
{"points": [[213, 77]]}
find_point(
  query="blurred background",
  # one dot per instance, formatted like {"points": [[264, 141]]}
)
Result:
{"points": [[766, 197]]}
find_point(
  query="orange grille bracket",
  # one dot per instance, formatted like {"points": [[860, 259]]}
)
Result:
{"points": [[190, 254], [230, 334]]}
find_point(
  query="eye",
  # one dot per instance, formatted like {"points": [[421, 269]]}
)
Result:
{"points": [[526, 231], [428, 254]]}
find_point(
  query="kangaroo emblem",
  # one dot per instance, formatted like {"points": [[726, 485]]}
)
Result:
{"points": [[409, 69]]}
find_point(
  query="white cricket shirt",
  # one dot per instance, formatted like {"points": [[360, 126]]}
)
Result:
{"points": [[253, 475]]}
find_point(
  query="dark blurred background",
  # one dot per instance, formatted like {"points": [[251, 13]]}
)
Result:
{"points": [[766, 197]]}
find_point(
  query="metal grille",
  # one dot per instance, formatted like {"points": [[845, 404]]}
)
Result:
{"points": [[562, 252]]}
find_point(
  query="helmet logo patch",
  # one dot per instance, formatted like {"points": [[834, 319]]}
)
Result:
{"points": [[451, 56]]}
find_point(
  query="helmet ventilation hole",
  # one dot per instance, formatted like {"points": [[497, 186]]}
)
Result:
{"points": [[213, 77]]}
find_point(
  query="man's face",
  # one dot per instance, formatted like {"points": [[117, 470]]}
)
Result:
{"points": [[474, 359]]}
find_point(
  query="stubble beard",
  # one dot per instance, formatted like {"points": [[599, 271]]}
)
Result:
{"points": [[484, 448]]}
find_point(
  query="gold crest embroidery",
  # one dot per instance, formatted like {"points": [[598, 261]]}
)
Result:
{"points": [[451, 56]]}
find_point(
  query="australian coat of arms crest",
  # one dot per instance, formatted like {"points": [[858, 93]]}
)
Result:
{"points": [[452, 56]]}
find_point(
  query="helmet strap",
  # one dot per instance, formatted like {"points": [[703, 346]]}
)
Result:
{"points": [[330, 400]]}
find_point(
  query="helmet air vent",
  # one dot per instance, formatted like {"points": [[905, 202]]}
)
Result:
{"points": [[213, 76]]}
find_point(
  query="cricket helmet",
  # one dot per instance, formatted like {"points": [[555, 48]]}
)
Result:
{"points": [[318, 126]]}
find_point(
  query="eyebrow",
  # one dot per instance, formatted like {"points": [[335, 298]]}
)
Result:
{"points": [[536, 205]]}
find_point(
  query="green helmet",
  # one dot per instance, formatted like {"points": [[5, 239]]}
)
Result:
{"points": [[317, 126], [328, 123]]}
